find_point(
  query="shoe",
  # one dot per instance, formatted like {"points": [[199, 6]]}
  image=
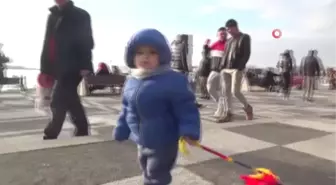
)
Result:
{"points": [[218, 113], [310, 100], [199, 105], [49, 138], [226, 118], [249, 112]]}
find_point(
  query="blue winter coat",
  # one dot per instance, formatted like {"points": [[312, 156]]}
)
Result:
{"points": [[158, 109]]}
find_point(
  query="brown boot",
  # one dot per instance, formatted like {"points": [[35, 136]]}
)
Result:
{"points": [[249, 112], [225, 118]]}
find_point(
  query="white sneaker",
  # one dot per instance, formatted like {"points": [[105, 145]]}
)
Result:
{"points": [[217, 113]]}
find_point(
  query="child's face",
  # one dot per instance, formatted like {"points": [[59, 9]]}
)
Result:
{"points": [[146, 58]]}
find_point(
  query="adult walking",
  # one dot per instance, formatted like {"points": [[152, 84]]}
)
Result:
{"points": [[310, 69], [285, 66], [237, 54], [216, 54], [204, 70], [67, 56]]}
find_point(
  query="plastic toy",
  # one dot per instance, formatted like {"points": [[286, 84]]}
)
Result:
{"points": [[261, 176]]}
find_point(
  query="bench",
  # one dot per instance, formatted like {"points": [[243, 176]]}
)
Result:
{"points": [[112, 81], [19, 82]]}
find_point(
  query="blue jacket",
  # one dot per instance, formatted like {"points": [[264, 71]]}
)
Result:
{"points": [[158, 109]]}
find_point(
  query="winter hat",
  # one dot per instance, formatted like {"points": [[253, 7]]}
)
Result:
{"points": [[148, 37]]}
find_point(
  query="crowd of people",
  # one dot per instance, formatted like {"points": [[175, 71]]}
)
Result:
{"points": [[287, 75], [158, 104]]}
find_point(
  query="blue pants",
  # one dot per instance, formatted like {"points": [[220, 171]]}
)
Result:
{"points": [[157, 164]]}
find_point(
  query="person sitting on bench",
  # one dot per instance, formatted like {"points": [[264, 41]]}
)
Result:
{"points": [[115, 70], [102, 70], [268, 81]]}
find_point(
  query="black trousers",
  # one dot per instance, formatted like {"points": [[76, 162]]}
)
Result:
{"points": [[202, 85], [286, 83], [65, 99]]}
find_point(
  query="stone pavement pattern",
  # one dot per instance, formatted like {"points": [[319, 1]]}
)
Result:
{"points": [[294, 139]]}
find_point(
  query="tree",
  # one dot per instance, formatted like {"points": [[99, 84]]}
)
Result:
{"points": [[3, 58]]}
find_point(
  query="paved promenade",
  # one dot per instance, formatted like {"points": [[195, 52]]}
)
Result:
{"points": [[293, 138]]}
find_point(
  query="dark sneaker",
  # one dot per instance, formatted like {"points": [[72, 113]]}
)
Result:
{"points": [[199, 105], [310, 100], [249, 112], [49, 138], [226, 118]]}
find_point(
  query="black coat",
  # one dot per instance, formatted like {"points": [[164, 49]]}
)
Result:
{"points": [[70, 29], [310, 66], [205, 64]]}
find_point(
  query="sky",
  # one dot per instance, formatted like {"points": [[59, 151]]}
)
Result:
{"points": [[309, 24]]}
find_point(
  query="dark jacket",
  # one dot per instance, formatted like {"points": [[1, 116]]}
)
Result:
{"points": [[241, 51], [285, 64], [68, 42], [205, 64], [179, 55], [310, 65]]}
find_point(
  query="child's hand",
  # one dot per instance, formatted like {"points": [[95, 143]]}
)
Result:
{"points": [[190, 141]]}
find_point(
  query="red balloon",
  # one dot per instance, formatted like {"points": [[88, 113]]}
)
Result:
{"points": [[276, 33]]}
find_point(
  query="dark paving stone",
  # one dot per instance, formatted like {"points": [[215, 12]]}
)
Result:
{"points": [[331, 116], [294, 168], [278, 133], [91, 164]]}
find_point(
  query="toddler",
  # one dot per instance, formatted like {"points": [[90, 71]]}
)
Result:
{"points": [[158, 107]]}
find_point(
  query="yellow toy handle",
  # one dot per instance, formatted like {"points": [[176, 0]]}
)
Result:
{"points": [[183, 146]]}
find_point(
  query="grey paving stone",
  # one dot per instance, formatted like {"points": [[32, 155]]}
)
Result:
{"points": [[91, 164], [277, 133], [8, 107], [300, 111], [294, 168], [93, 110], [104, 132], [23, 125]]}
